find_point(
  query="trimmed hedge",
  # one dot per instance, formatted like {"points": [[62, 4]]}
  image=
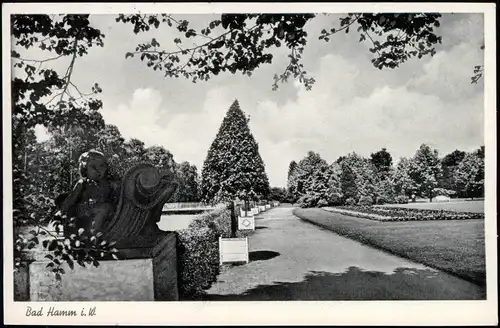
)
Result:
{"points": [[387, 214], [199, 264]]}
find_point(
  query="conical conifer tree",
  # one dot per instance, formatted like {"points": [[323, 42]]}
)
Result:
{"points": [[233, 167]]}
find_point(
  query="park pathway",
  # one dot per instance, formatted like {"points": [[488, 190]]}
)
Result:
{"points": [[291, 259]]}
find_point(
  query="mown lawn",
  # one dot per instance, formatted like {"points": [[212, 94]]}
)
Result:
{"points": [[453, 246]]}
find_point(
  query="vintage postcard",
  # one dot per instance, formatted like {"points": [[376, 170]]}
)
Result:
{"points": [[249, 163]]}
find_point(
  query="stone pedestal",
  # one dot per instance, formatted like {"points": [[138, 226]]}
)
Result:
{"points": [[141, 274]]}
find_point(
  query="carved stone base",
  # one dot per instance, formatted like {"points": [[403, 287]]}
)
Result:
{"points": [[141, 274], [164, 256]]}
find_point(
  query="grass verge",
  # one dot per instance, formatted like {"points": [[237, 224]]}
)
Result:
{"points": [[456, 247]]}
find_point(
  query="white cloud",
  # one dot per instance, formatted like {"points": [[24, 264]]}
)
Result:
{"points": [[448, 73], [138, 118], [186, 135]]}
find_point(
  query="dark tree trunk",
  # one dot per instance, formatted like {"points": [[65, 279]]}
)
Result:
{"points": [[233, 221]]}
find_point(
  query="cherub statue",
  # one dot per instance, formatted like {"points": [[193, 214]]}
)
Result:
{"points": [[92, 201]]}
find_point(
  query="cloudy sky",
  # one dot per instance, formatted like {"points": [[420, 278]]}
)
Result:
{"points": [[352, 106]]}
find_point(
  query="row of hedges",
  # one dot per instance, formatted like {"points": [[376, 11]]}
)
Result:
{"points": [[403, 214], [198, 249]]}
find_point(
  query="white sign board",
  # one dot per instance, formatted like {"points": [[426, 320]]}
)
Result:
{"points": [[247, 213], [262, 208], [233, 250], [268, 206], [246, 223], [255, 211]]}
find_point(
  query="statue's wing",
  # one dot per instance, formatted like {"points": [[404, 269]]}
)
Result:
{"points": [[144, 189]]}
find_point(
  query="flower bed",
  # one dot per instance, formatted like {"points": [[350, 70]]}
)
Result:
{"points": [[402, 214]]}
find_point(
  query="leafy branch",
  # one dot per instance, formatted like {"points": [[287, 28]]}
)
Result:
{"points": [[241, 46], [478, 71], [295, 69], [395, 33]]}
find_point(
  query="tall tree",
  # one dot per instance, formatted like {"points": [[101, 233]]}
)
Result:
{"points": [[358, 178], [291, 169], [335, 193], [469, 175], [403, 182], [318, 185], [233, 166], [449, 164], [188, 190], [292, 182], [426, 170], [453, 158], [278, 194], [382, 161], [305, 171]]}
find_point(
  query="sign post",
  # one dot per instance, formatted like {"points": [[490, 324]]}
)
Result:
{"points": [[233, 249], [246, 223], [234, 223]]}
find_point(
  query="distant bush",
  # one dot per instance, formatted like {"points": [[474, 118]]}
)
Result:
{"points": [[307, 201], [443, 192], [199, 252], [385, 199], [365, 201], [322, 203], [335, 198], [402, 199], [350, 202]]}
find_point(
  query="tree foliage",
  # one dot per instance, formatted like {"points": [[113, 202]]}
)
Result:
{"points": [[382, 161], [189, 190], [426, 170], [469, 175], [358, 178], [278, 194], [353, 179], [291, 184], [233, 167], [315, 182], [404, 184], [449, 164]]}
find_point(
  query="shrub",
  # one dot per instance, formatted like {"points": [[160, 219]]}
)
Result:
{"points": [[365, 201], [307, 201], [402, 199], [335, 198], [385, 199], [443, 192], [350, 202], [322, 203], [199, 252]]}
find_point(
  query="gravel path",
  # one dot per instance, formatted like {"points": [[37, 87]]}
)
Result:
{"points": [[295, 260]]}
